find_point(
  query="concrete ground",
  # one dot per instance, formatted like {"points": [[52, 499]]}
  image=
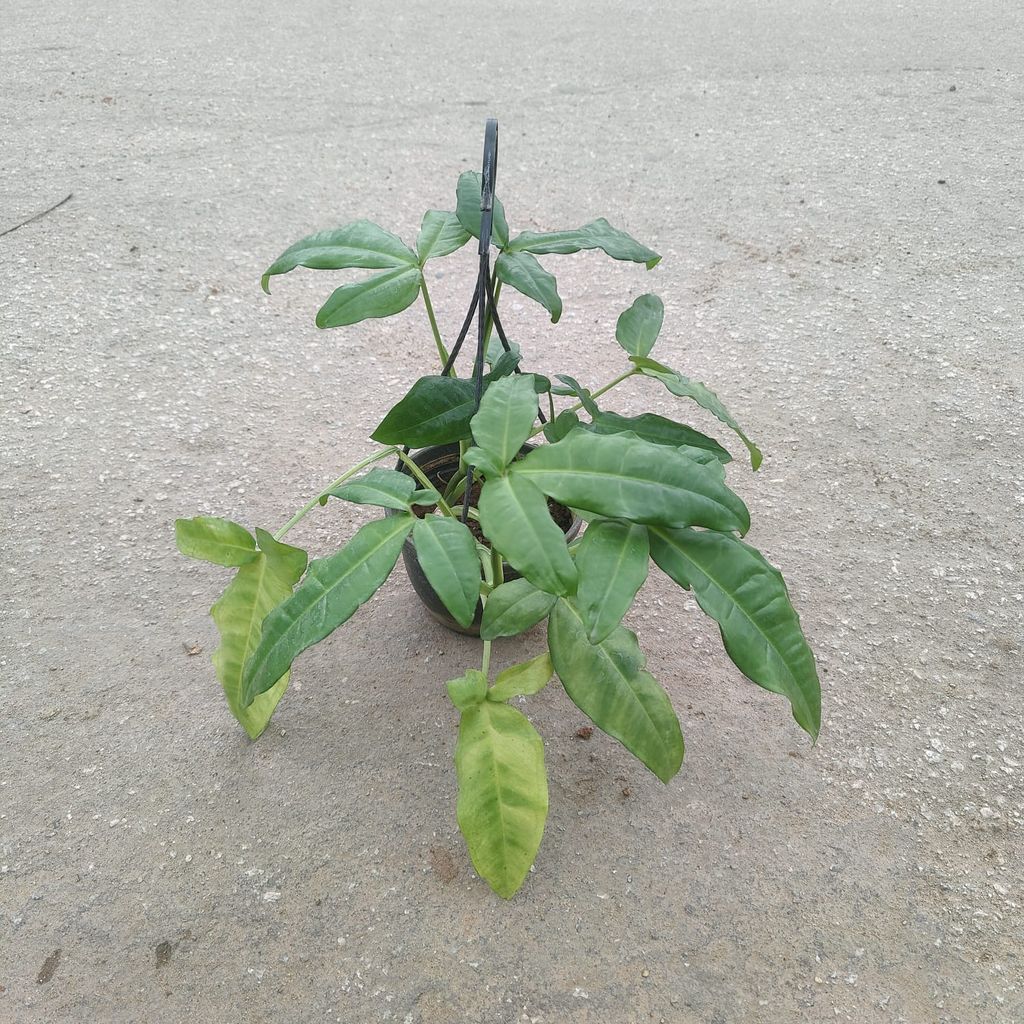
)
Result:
{"points": [[836, 190]]}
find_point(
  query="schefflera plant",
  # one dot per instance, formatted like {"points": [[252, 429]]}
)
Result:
{"points": [[650, 488]]}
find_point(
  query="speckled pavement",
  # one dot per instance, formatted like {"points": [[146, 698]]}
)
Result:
{"points": [[836, 191]]}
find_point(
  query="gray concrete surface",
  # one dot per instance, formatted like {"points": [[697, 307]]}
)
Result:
{"points": [[860, 315]]}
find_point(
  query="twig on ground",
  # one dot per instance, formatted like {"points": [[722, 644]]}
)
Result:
{"points": [[37, 215]]}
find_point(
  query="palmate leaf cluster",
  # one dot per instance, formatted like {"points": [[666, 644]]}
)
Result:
{"points": [[651, 489]]}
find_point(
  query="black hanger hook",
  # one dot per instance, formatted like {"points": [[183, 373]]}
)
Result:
{"points": [[490, 174]]}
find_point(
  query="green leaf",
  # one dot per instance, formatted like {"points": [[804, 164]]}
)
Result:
{"points": [[215, 540], [658, 430], [447, 554], [703, 396], [524, 273], [506, 364], [639, 326], [506, 415], [612, 560], [424, 496], [467, 194], [333, 589], [258, 587], [598, 234], [435, 411], [468, 690], [561, 425], [503, 793], [705, 458], [573, 387], [623, 477], [513, 608], [503, 363], [608, 683], [440, 235], [514, 517], [361, 244], [483, 461], [377, 296], [386, 488], [522, 680], [747, 597]]}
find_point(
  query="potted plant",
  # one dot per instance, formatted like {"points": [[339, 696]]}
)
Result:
{"points": [[492, 478]]}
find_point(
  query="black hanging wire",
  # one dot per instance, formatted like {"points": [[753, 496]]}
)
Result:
{"points": [[483, 294], [483, 304], [457, 347]]}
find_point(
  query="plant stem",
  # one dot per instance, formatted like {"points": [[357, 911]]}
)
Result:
{"points": [[497, 578], [487, 567], [600, 391], [456, 487], [442, 352], [310, 505], [421, 476]]}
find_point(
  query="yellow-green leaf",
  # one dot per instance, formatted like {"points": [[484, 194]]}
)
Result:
{"points": [[503, 793], [522, 680], [385, 488], [258, 587], [215, 540], [468, 690]]}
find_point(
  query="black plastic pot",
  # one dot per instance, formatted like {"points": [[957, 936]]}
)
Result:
{"points": [[439, 463]]}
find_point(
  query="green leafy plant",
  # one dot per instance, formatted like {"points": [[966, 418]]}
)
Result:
{"points": [[648, 487]]}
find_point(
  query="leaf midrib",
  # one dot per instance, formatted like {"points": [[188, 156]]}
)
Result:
{"points": [[253, 627], [485, 714]]}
